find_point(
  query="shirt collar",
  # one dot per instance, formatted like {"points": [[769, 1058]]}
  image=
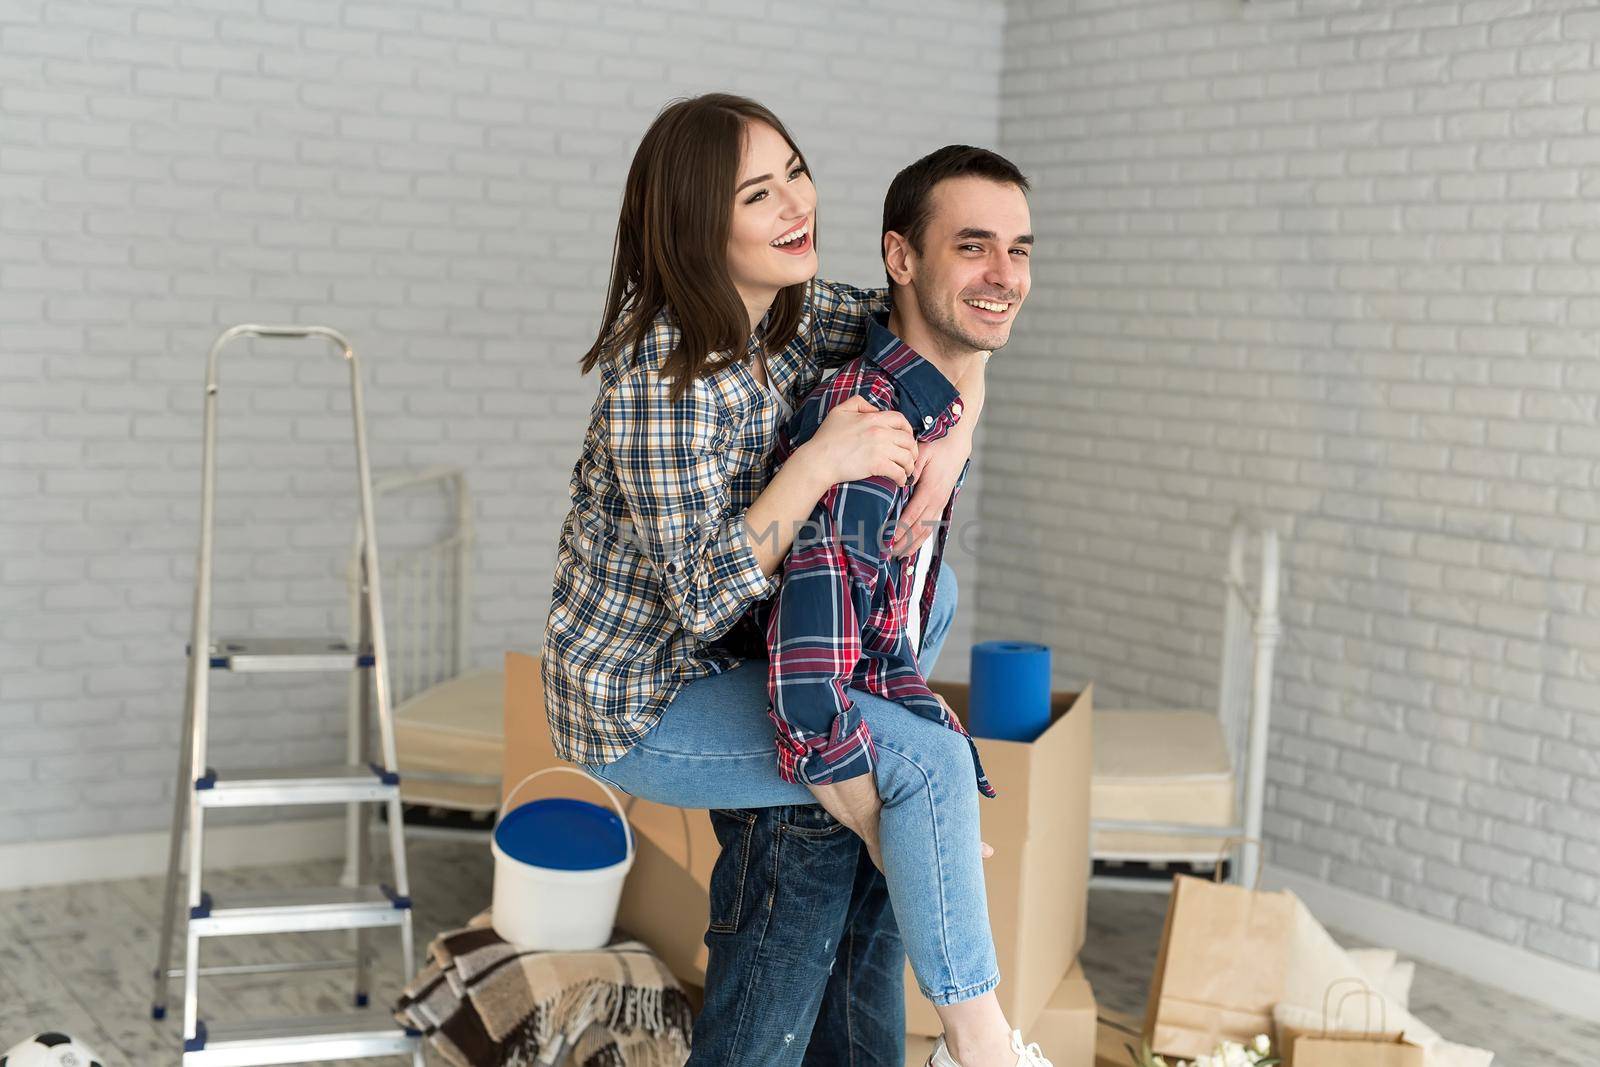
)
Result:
{"points": [[929, 400]]}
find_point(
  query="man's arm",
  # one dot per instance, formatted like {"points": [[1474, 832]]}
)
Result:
{"points": [[939, 466], [814, 635]]}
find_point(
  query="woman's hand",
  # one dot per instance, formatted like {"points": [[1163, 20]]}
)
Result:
{"points": [[857, 441], [938, 467]]}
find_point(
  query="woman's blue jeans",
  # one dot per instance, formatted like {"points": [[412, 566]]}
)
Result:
{"points": [[714, 748]]}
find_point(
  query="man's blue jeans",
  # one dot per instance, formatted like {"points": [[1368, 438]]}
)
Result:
{"points": [[713, 747], [806, 963]]}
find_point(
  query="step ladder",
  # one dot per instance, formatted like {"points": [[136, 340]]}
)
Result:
{"points": [[367, 781]]}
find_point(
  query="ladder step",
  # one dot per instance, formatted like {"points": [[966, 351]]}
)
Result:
{"points": [[287, 654], [301, 909], [334, 783], [302, 1039], [232, 969]]}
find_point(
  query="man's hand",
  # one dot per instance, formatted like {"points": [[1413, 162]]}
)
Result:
{"points": [[855, 802], [939, 464]]}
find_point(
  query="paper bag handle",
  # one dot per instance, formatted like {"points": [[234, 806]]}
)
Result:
{"points": [[1366, 992]]}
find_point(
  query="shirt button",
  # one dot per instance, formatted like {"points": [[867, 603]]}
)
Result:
{"points": [[956, 407], [672, 568], [927, 420]]}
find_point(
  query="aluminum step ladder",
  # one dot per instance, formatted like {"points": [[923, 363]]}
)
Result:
{"points": [[361, 908]]}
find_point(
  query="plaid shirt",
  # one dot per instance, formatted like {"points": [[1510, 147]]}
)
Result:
{"points": [[654, 562], [839, 619]]}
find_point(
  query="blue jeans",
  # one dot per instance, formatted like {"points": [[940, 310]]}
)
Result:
{"points": [[714, 748], [806, 962], [785, 877]]}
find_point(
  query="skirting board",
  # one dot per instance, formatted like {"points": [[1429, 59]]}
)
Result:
{"points": [[97, 859], [1563, 987]]}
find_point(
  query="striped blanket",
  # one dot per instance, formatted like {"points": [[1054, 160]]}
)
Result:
{"points": [[482, 1002]]}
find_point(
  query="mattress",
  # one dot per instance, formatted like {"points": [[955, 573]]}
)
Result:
{"points": [[1160, 766], [454, 728]]}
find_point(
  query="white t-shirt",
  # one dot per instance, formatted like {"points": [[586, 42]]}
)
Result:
{"points": [[919, 581]]}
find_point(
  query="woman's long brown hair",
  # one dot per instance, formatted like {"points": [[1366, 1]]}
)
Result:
{"points": [[671, 250]]}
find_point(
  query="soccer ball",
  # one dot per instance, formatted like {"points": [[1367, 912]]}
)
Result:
{"points": [[51, 1049]]}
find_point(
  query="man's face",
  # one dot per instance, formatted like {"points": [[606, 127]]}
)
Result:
{"points": [[971, 275]]}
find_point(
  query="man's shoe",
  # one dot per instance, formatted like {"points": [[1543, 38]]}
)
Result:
{"points": [[1027, 1055]]}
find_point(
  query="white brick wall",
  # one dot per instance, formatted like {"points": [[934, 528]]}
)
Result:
{"points": [[439, 180], [1335, 260]]}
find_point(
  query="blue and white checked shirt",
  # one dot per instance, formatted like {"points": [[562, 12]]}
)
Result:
{"points": [[654, 563]]}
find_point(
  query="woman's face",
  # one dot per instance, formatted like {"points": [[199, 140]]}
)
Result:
{"points": [[771, 243]]}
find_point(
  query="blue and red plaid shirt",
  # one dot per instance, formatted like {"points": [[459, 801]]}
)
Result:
{"points": [[839, 620]]}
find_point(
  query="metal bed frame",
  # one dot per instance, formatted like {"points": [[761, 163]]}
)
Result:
{"points": [[1250, 636]]}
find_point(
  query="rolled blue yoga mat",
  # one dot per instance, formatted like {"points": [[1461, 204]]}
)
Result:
{"points": [[1009, 698]]}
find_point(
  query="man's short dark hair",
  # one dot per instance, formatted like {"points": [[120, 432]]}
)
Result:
{"points": [[906, 207]]}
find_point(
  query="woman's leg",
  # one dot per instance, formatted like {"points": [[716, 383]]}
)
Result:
{"points": [[714, 748], [930, 835]]}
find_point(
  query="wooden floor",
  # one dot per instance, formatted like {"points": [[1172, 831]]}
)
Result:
{"points": [[78, 959]]}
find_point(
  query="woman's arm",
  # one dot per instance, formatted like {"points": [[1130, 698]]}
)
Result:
{"points": [[839, 315], [667, 456], [855, 441], [668, 459]]}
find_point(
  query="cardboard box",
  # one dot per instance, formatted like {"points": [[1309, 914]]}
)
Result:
{"points": [[666, 900], [1065, 1030], [1037, 881], [1114, 1033]]}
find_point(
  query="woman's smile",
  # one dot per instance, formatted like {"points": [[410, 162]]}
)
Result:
{"points": [[795, 241]]}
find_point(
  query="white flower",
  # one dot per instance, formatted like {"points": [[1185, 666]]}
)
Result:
{"points": [[1263, 1044]]}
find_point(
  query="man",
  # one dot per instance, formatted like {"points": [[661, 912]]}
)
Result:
{"points": [[806, 960]]}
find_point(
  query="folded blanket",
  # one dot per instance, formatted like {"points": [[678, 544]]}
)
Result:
{"points": [[482, 1002]]}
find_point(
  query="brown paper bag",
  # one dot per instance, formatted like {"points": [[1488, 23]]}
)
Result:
{"points": [[1366, 1047], [1224, 953], [1346, 1049]]}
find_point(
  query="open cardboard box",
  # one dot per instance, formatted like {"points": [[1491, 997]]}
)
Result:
{"points": [[1038, 878], [1036, 881], [1064, 1030]]}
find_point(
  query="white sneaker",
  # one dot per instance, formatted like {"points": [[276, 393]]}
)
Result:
{"points": [[1027, 1055]]}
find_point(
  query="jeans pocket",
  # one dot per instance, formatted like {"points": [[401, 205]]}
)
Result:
{"points": [[808, 820], [732, 870]]}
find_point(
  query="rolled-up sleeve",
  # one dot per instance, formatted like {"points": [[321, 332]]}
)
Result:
{"points": [[669, 459]]}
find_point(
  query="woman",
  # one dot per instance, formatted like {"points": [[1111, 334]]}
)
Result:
{"points": [[712, 328]]}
